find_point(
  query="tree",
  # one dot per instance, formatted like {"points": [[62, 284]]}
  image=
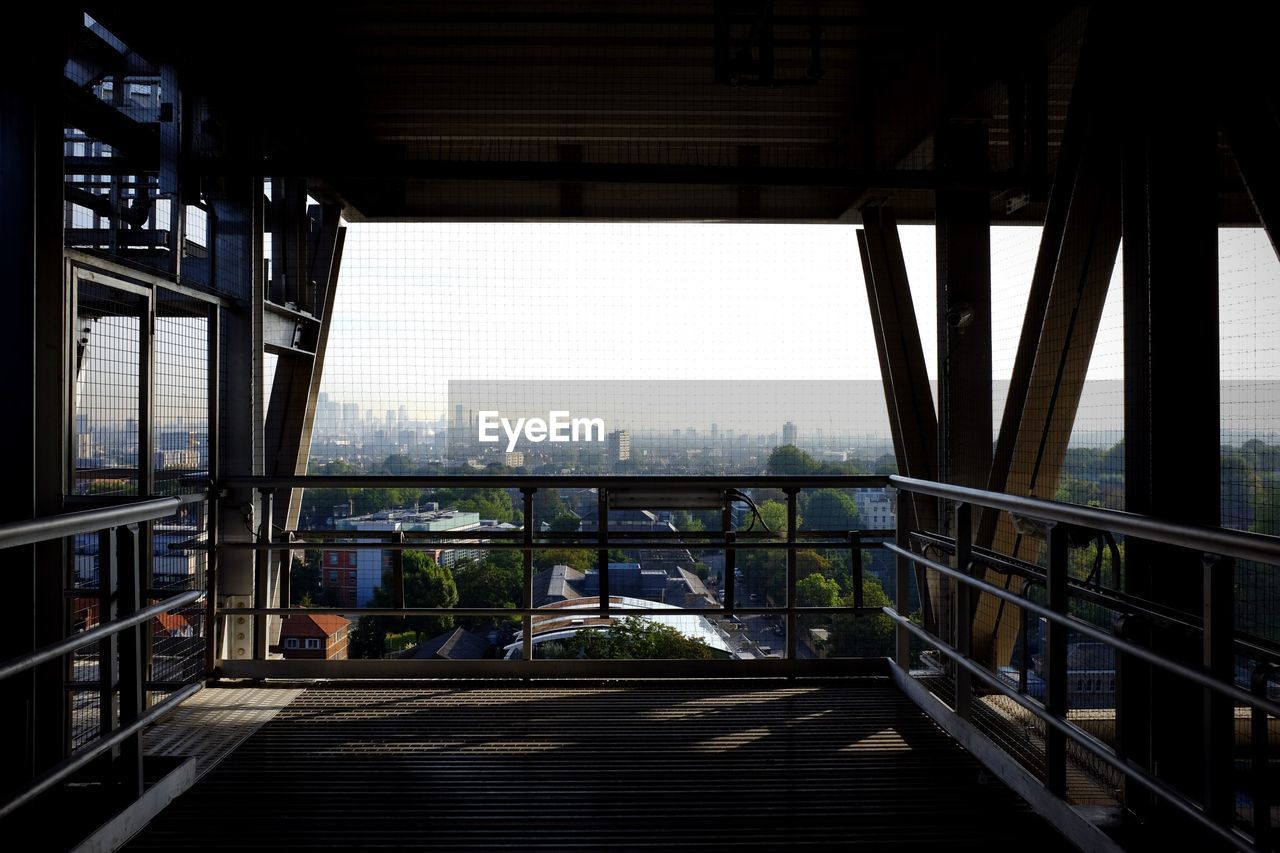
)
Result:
{"points": [[492, 582], [1266, 516], [789, 459], [764, 570], [304, 577], [859, 636], [489, 503], [367, 638], [817, 590], [399, 463], [630, 638], [565, 521], [575, 558], [830, 509], [774, 516], [688, 522], [426, 584]]}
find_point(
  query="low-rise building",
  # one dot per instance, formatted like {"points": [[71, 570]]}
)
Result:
{"points": [[313, 636]]}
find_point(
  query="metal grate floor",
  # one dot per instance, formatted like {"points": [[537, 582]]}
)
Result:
{"points": [[212, 723], [617, 765]]}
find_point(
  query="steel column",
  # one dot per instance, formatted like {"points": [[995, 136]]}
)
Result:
{"points": [[913, 422], [962, 613], [237, 272], [964, 311], [602, 555], [1055, 694], [133, 649], [1172, 429], [526, 589], [1073, 272], [1218, 657], [792, 621]]}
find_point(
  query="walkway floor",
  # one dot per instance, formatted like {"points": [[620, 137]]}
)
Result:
{"points": [[616, 765]]}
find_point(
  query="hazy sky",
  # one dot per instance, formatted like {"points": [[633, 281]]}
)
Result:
{"points": [[421, 304]]}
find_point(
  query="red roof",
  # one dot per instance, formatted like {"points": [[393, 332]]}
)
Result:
{"points": [[174, 622], [313, 625]]}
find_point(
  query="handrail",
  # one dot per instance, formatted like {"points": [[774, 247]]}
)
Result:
{"points": [[1215, 540], [82, 757], [562, 481], [16, 533], [1156, 786], [13, 666], [1112, 599], [1093, 632]]}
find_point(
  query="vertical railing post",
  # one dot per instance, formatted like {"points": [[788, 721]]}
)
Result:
{"points": [[1055, 658], [855, 565], [793, 625], [397, 572], [212, 558], [132, 650], [730, 559], [602, 556], [1133, 689], [526, 591], [262, 576], [108, 647], [1218, 773], [1024, 640], [902, 593], [963, 616], [1263, 797]]}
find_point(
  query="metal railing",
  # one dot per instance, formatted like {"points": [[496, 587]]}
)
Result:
{"points": [[662, 492], [1214, 811], [119, 636]]}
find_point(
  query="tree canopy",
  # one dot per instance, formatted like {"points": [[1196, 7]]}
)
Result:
{"points": [[426, 584], [629, 638]]}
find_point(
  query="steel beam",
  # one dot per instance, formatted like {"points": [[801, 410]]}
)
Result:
{"points": [[1171, 412], [295, 390], [1253, 133], [964, 311], [963, 305], [237, 273], [912, 420], [1064, 309]]}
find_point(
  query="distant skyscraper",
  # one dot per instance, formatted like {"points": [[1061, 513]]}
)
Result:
{"points": [[788, 433], [618, 445], [715, 432]]}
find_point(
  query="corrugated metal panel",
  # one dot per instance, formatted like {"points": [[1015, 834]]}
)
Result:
{"points": [[589, 766]]}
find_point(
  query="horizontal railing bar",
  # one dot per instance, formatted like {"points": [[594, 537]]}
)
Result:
{"points": [[549, 668], [94, 593], [1078, 735], [16, 533], [1214, 540], [557, 536], [53, 651], [696, 482], [1111, 599], [515, 611], [95, 687], [1244, 697], [125, 500], [82, 757], [410, 545]]}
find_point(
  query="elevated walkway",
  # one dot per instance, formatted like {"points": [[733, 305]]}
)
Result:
{"points": [[759, 764]]}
